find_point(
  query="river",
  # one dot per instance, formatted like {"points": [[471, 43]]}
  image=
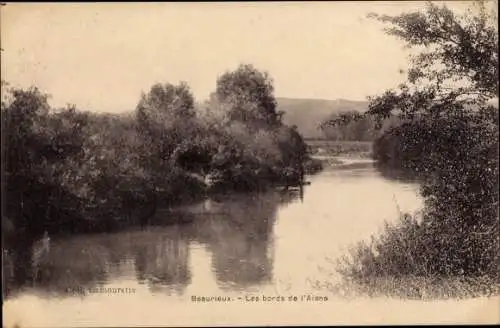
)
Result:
{"points": [[240, 248]]}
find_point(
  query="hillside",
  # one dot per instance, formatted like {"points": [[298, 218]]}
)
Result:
{"points": [[307, 114]]}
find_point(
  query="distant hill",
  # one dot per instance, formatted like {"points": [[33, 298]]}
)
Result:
{"points": [[307, 114]]}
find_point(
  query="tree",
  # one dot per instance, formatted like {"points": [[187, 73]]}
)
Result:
{"points": [[162, 113], [249, 96], [457, 67], [39, 147], [167, 101], [449, 131], [164, 116]]}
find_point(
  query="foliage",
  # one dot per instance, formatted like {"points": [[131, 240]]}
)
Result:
{"points": [[37, 147], [72, 171], [448, 139], [455, 48], [249, 97], [259, 147]]}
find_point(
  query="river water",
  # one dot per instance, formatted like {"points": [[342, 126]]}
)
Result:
{"points": [[253, 253]]}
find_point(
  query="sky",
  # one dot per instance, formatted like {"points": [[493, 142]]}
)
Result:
{"points": [[101, 56]]}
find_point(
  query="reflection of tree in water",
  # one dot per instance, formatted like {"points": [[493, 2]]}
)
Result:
{"points": [[162, 261], [395, 174], [16, 268], [68, 266], [81, 262], [240, 238]]}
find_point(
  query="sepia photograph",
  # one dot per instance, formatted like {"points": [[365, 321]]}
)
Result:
{"points": [[266, 163]]}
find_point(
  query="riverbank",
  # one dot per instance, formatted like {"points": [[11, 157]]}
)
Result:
{"points": [[163, 212], [243, 248], [392, 262], [69, 171], [371, 282]]}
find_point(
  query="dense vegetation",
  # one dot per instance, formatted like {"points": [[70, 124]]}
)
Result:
{"points": [[67, 170], [447, 139]]}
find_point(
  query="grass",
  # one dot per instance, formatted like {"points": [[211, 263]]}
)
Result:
{"points": [[402, 262]]}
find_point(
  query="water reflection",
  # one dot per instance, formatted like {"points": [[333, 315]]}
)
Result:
{"points": [[237, 232], [240, 239], [163, 261], [394, 174]]}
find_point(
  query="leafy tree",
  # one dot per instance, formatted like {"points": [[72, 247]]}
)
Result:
{"points": [[167, 101], [457, 67], [449, 132], [38, 146], [256, 147], [249, 97], [163, 116]]}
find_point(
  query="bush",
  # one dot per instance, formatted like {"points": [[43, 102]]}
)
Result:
{"points": [[410, 259]]}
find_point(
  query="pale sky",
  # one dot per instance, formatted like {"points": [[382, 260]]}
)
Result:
{"points": [[100, 56]]}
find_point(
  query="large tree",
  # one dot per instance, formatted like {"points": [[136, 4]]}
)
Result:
{"points": [[163, 115], [248, 96], [449, 130], [39, 146]]}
